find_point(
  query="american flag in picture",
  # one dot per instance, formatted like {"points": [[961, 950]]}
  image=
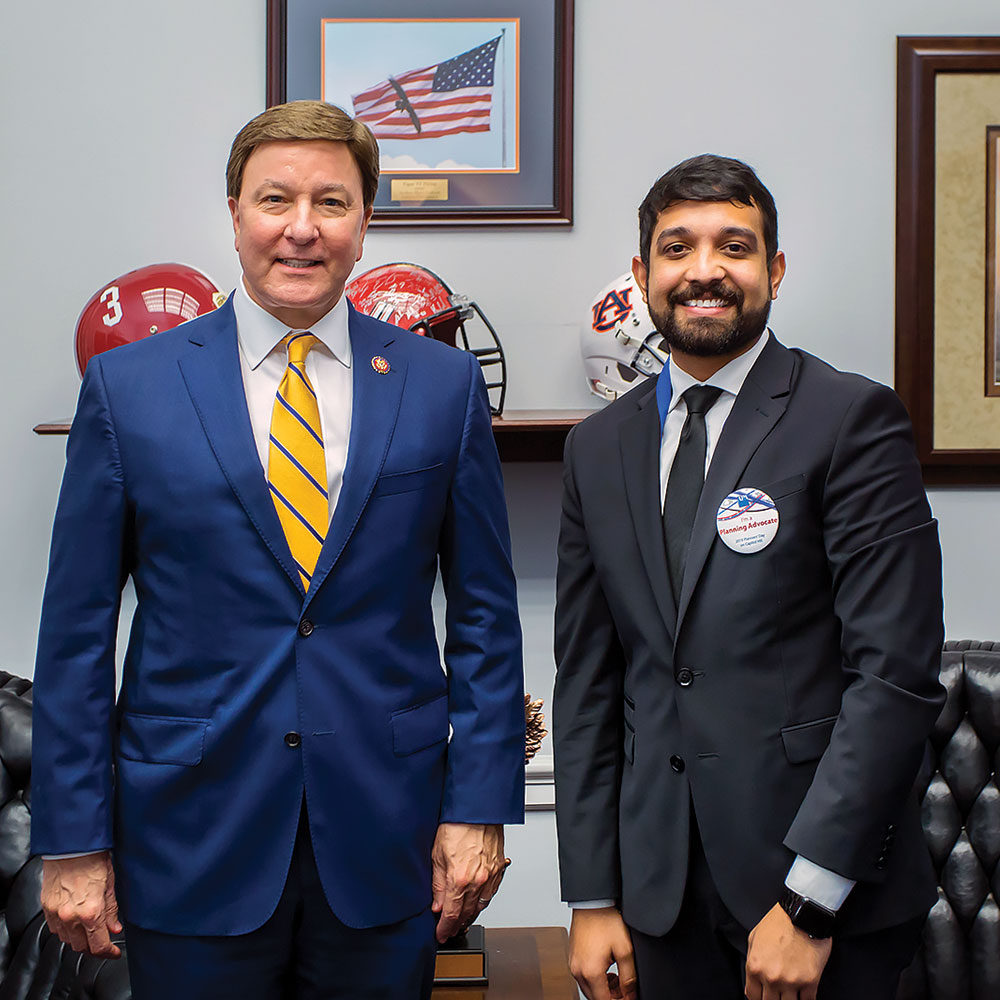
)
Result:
{"points": [[449, 97]]}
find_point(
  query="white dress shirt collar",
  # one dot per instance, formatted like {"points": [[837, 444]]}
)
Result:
{"points": [[730, 377], [259, 332]]}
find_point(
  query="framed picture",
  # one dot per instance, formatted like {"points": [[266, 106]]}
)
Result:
{"points": [[992, 260], [947, 232], [471, 100]]}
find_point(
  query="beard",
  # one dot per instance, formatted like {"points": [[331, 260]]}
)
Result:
{"points": [[710, 336]]}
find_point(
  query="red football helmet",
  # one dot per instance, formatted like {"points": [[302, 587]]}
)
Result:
{"points": [[143, 302], [416, 299]]}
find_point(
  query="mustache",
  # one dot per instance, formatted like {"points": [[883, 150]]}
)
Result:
{"points": [[707, 290]]}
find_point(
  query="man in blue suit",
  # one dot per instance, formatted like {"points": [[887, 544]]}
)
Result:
{"points": [[274, 800]]}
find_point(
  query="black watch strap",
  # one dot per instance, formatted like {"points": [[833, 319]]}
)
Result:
{"points": [[809, 916]]}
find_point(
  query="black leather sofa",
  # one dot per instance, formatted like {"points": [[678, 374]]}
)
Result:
{"points": [[959, 958], [34, 964]]}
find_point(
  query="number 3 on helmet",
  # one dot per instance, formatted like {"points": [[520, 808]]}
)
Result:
{"points": [[140, 303], [416, 299]]}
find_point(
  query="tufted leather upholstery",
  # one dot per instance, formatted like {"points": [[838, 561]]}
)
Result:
{"points": [[959, 958], [34, 964]]}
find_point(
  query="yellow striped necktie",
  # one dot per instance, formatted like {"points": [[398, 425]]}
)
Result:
{"points": [[296, 465]]}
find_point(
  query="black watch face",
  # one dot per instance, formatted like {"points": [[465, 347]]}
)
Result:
{"points": [[808, 916]]}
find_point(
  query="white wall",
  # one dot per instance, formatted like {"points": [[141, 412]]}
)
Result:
{"points": [[116, 119]]}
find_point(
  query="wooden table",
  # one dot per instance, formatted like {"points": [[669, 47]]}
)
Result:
{"points": [[525, 963]]}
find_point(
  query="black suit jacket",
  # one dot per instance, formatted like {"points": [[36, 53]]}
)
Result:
{"points": [[790, 692]]}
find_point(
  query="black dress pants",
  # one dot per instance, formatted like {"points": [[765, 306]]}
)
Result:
{"points": [[703, 956]]}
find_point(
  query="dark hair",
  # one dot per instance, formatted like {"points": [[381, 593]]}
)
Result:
{"points": [[708, 178], [302, 121]]}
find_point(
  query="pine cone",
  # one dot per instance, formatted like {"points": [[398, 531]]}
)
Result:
{"points": [[534, 726]]}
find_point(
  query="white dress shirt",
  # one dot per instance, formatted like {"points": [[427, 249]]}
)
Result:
{"points": [[804, 877], [263, 362], [729, 378]]}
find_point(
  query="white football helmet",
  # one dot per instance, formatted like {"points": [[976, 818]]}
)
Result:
{"points": [[618, 341]]}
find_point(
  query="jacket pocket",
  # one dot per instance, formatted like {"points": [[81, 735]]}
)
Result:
{"points": [[419, 727], [784, 487], [405, 482], [808, 740], [159, 739]]}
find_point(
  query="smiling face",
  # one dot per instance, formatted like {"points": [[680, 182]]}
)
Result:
{"points": [[708, 285], [300, 227]]}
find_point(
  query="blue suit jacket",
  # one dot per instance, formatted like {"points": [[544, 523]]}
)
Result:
{"points": [[189, 778]]}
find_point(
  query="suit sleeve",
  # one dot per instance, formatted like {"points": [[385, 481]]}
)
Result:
{"points": [[74, 680], [484, 782], [588, 716], [885, 562]]}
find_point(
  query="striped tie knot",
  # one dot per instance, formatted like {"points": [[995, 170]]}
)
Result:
{"points": [[296, 470], [299, 345]]}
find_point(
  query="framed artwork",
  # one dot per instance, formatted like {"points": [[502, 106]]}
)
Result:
{"points": [[992, 260], [947, 232], [471, 100]]}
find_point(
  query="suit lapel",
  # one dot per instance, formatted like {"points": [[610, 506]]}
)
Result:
{"points": [[211, 372], [758, 407], [639, 438], [374, 410]]}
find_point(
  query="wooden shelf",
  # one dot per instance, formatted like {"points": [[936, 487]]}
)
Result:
{"points": [[534, 435], [55, 427], [521, 435]]}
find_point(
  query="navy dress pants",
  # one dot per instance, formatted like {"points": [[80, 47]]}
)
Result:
{"points": [[302, 952]]}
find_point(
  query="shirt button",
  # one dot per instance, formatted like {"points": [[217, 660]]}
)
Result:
{"points": [[685, 677], [677, 763], [292, 739], [306, 627]]}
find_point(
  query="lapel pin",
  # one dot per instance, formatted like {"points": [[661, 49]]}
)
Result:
{"points": [[747, 520], [380, 365]]}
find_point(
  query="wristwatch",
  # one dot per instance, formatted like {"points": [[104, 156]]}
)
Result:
{"points": [[808, 915]]}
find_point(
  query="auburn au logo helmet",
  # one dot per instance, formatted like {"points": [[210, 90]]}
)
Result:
{"points": [[618, 342], [140, 303], [415, 298]]}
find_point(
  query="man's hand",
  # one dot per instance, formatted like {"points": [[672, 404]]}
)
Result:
{"points": [[783, 962], [78, 898], [468, 865], [597, 938]]}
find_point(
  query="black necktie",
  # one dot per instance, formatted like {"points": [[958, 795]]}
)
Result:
{"points": [[687, 477]]}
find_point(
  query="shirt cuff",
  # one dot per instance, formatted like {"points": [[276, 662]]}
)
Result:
{"points": [[590, 904], [818, 884], [66, 857]]}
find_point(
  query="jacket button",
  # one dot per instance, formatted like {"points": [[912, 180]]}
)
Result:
{"points": [[306, 627], [292, 739], [685, 677], [677, 763]]}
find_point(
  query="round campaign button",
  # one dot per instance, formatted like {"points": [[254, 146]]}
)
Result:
{"points": [[747, 520]]}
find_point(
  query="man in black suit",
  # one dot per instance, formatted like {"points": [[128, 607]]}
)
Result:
{"points": [[748, 633]]}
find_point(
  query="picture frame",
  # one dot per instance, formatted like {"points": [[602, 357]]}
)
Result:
{"points": [[947, 228], [992, 260], [471, 100]]}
